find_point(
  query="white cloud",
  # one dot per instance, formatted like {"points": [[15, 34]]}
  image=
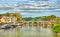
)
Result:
{"points": [[57, 9], [42, 6]]}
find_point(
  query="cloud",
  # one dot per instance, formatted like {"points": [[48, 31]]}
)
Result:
{"points": [[34, 7]]}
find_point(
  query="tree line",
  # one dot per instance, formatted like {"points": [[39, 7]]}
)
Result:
{"points": [[46, 18]]}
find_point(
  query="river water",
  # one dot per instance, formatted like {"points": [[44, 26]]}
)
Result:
{"points": [[27, 32]]}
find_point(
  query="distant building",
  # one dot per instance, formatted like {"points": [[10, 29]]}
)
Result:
{"points": [[2, 19], [10, 19]]}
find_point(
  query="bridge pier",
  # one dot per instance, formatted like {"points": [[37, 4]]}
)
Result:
{"points": [[28, 24], [49, 25], [32, 24], [43, 25], [22, 24], [38, 24]]}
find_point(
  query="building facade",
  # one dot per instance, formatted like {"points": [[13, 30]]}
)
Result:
{"points": [[10, 19]]}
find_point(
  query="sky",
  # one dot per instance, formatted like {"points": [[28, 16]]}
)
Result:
{"points": [[31, 8]]}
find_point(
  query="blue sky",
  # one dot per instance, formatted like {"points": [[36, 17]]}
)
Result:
{"points": [[15, 1], [31, 8]]}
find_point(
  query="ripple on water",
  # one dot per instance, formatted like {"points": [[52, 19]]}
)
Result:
{"points": [[30, 32]]}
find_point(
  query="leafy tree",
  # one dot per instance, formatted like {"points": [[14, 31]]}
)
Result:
{"points": [[16, 14], [58, 19], [52, 17], [27, 18], [56, 28]]}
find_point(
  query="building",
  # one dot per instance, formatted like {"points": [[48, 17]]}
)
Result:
{"points": [[2, 19], [10, 19]]}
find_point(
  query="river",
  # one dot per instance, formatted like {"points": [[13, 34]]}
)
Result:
{"points": [[27, 32]]}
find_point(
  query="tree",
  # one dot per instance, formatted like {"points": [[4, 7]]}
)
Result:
{"points": [[56, 28], [45, 18], [52, 17], [27, 18], [16, 14]]}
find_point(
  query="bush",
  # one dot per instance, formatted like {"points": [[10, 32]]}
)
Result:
{"points": [[56, 28]]}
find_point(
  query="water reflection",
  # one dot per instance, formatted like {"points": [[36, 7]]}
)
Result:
{"points": [[28, 32], [56, 35]]}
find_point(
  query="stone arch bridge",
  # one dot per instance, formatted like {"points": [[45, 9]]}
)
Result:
{"points": [[36, 23]]}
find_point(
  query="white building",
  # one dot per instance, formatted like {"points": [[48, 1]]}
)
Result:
{"points": [[11, 19]]}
